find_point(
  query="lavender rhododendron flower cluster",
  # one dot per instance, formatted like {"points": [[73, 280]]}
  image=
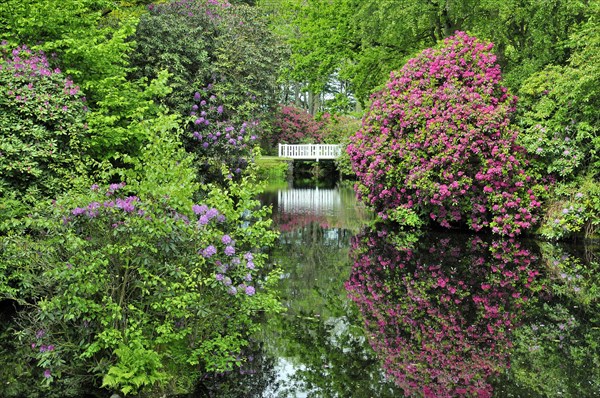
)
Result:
{"points": [[438, 141], [217, 136], [229, 269], [216, 139], [234, 270], [442, 329]]}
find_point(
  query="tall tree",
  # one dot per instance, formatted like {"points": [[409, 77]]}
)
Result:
{"points": [[364, 40]]}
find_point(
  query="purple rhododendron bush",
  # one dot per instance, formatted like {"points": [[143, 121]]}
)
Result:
{"points": [[437, 143]]}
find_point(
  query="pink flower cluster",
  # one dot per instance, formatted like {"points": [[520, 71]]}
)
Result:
{"points": [[441, 330], [294, 125], [438, 140], [43, 122], [31, 68]]}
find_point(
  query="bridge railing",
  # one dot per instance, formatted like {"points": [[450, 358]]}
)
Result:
{"points": [[310, 151]]}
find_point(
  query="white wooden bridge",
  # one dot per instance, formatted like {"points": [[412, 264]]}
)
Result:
{"points": [[310, 151]]}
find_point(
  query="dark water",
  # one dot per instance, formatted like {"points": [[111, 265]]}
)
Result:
{"points": [[376, 312]]}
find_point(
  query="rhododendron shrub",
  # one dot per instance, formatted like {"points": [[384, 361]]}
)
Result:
{"points": [[134, 278], [218, 141], [437, 142], [145, 285], [292, 125], [42, 125], [440, 315]]}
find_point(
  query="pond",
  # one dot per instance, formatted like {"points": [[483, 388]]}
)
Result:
{"points": [[377, 312], [373, 311]]}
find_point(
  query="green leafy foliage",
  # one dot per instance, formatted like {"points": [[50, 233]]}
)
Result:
{"points": [[359, 42], [169, 38], [88, 40], [135, 369], [223, 48], [560, 117], [42, 126], [138, 284], [572, 209], [83, 40]]}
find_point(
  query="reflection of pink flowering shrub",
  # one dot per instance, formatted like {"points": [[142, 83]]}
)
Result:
{"points": [[440, 331], [289, 222], [437, 141]]}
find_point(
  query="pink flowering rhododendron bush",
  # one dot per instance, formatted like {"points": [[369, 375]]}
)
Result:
{"points": [[440, 314], [437, 143], [293, 125], [42, 125]]}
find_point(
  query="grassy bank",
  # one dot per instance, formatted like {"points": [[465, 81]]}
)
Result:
{"points": [[272, 167]]}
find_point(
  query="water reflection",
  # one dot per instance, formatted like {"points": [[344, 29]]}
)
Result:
{"points": [[441, 313], [321, 348], [556, 351], [449, 315], [251, 379], [294, 209]]}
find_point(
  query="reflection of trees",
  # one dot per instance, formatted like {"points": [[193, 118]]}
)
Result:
{"points": [[318, 336], [334, 359], [250, 380], [440, 314], [346, 214], [557, 351], [313, 259]]}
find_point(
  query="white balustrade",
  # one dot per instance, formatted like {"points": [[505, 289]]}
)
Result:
{"points": [[310, 151]]}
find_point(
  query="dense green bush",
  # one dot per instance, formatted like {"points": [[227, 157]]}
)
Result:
{"points": [[437, 144], [42, 126], [139, 284], [209, 45], [560, 118]]}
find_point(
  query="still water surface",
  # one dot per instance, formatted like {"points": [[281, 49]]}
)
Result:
{"points": [[376, 312]]}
